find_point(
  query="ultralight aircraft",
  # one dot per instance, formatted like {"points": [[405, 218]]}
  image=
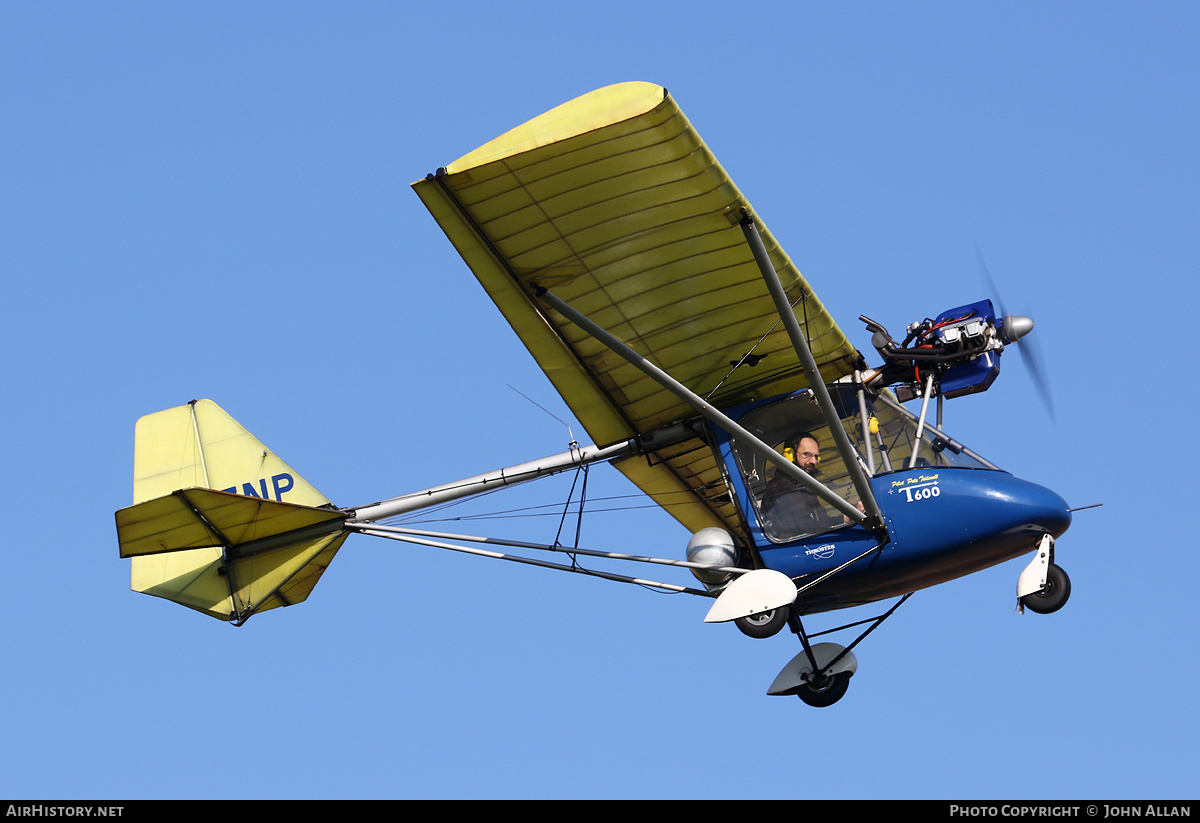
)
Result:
{"points": [[703, 367]]}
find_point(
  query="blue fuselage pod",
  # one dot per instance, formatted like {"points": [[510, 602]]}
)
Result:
{"points": [[944, 523]]}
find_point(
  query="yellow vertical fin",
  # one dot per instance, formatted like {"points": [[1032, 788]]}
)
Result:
{"points": [[198, 445]]}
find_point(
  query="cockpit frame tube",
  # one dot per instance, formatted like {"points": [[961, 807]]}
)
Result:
{"points": [[937, 432], [866, 423], [916, 446], [849, 454]]}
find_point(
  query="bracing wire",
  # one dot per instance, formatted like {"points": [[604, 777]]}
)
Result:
{"points": [[567, 510], [745, 357]]}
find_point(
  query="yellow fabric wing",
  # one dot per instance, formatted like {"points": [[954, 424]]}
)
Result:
{"points": [[613, 202]]}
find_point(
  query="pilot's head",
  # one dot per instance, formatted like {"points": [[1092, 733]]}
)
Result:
{"points": [[807, 452]]}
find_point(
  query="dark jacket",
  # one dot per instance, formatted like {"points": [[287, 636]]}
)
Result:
{"points": [[792, 509]]}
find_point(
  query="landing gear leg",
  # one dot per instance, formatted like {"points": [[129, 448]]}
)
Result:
{"points": [[820, 674]]}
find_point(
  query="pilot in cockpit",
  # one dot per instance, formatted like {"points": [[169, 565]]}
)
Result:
{"points": [[792, 508]]}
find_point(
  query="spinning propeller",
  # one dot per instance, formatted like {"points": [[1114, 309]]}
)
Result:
{"points": [[1014, 328]]}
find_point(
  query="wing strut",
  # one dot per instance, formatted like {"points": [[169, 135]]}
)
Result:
{"points": [[421, 537], [874, 518], [698, 403]]}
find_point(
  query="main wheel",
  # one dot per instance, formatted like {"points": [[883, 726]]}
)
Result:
{"points": [[1053, 595], [825, 691], [763, 624]]}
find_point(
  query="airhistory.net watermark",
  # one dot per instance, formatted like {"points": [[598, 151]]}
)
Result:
{"points": [[48, 810]]}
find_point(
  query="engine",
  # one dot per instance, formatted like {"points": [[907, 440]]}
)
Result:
{"points": [[960, 348]]}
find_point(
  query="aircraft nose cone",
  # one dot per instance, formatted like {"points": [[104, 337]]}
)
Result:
{"points": [[1016, 326], [1041, 510]]}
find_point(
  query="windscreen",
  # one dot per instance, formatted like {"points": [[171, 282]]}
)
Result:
{"points": [[885, 439]]}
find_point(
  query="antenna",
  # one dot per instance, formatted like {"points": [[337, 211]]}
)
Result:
{"points": [[570, 433]]}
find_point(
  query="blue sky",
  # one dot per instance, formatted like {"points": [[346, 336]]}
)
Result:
{"points": [[211, 200]]}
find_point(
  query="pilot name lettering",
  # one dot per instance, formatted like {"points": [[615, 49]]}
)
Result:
{"points": [[912, 481]]}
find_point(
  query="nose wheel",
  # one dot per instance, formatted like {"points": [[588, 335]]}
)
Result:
{"points": [[1052, 596], [1043, 587]]}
